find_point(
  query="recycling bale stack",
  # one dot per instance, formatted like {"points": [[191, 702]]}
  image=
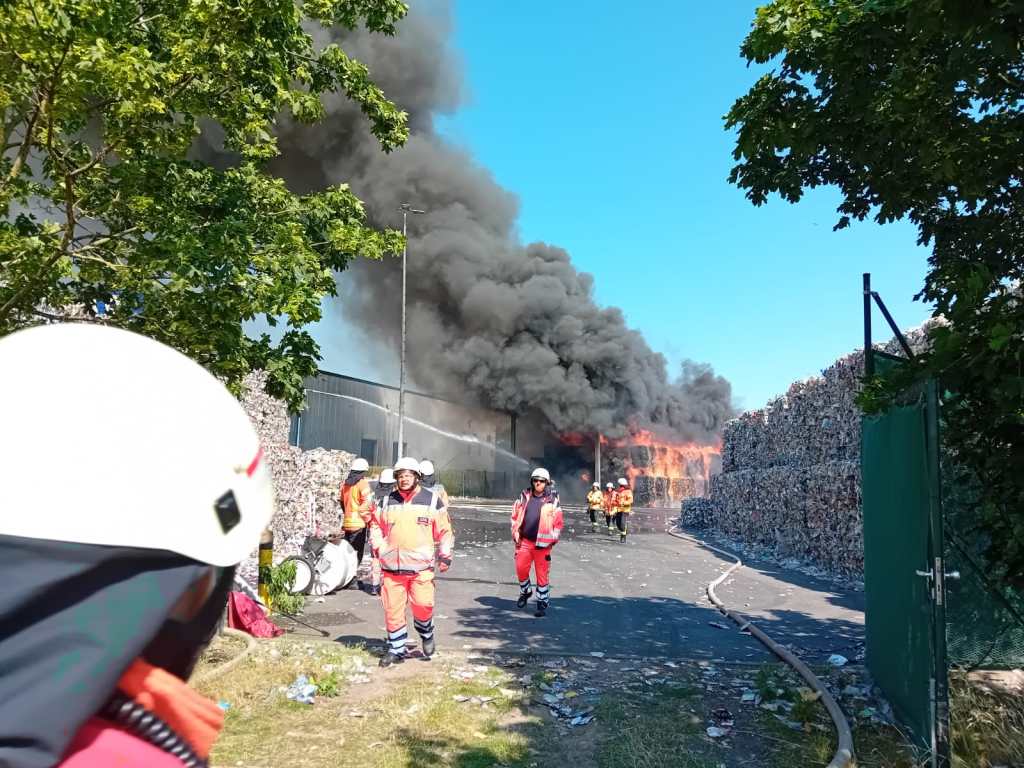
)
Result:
{"points": [[790, 479], [306, 483]]}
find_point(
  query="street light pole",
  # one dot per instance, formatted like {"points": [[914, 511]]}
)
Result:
{"points": [[406, 210]]}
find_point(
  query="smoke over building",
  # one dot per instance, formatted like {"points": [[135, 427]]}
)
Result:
{"points": [[514, 326]]}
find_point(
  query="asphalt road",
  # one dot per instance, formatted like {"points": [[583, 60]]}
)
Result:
{"points": [[644, 597]]}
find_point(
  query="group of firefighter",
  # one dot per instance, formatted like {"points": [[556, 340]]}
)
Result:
{"points": [[615, 503], [105, 614], [406, 523]]}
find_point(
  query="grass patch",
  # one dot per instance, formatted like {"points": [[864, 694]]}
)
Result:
{"points": [[987, 727], [396, 720], [656, 733]]}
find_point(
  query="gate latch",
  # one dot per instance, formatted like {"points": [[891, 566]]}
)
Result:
{"points": [[939, 591]]}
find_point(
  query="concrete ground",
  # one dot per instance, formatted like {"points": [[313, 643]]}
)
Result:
{"points": [[644, 597]]}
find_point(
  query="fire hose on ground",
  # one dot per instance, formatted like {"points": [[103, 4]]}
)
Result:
{"points": [[844, 756]]}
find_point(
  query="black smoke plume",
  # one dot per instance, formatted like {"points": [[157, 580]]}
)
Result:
{"points": [[514, 326]]}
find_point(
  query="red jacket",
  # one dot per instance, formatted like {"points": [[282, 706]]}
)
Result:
{"points": [[100, 744], [550, 519]]}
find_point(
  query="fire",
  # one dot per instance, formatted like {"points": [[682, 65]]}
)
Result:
{"points": [[663, 472]]}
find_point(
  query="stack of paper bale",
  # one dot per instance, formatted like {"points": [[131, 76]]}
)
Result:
{"points": [[306, 483], [790, 477]]}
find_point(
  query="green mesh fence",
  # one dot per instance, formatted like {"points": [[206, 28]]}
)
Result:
{"points": [[984, 617], [899, 636]]}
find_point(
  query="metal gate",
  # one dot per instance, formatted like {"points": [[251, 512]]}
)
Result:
{"points": [[903, 545]]}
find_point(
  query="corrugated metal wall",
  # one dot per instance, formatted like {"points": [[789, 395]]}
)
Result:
{"points": [[362, 417]]}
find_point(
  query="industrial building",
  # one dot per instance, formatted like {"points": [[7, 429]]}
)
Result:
{"points": [[477, 451]]}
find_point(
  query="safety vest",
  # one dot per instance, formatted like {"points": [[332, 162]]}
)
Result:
{"points": [[357, 504], [550, 519], [406, 532], [595, 499], [610, 503], [624, 498]]}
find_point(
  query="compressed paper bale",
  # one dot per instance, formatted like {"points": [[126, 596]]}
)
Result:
{"points": [[790, 478], [306, 483]]}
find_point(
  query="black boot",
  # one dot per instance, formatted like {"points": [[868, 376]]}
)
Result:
{"points": [[542, 609], [427, 646], [524, 597], [390, 658]]}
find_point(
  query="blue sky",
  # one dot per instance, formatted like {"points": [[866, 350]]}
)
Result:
{"points": [[605, 119]]}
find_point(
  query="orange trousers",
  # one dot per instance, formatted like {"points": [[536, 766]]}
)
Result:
{"points": [[397, 590], [529, 554]]}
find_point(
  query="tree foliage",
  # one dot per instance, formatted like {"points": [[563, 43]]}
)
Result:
{"points": [[103, 205], [915, 109]]}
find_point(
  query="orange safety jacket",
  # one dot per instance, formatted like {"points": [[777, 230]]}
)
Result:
{"points": [[357, 504], [624, 499], [610, 503], [595, 499], [550, 519], [405, 530]]}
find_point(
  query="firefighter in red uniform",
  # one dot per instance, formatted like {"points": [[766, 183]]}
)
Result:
{"points": [[609, 507], [410, 531], [536, 526], [624, 506]]}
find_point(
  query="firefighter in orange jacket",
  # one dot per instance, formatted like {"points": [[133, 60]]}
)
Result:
{"points": [[536, 526], [624, 506], [356, 504], [595, 504], [410, 531], [609, 507]]}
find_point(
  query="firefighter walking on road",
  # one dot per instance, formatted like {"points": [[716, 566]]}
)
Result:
{"points": [[410, 531], [624, 506], [536, 526], [357, 504], [595, 505], [609, 508]]}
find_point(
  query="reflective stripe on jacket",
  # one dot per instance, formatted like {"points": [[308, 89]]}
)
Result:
{"points": [[357, 503], [624, 500], [405, 532], [595, 499], [550, 519]]}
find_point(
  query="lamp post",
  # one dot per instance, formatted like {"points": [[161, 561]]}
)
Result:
{"points": [[406, 209]]}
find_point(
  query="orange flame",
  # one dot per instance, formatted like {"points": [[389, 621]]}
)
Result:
{"points": [[677, 470]]}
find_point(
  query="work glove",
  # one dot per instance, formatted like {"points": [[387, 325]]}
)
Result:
{"points": [[444, 563]]}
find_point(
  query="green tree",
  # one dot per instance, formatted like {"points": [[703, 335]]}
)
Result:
{"points": [[101, 101], [914, 109]]}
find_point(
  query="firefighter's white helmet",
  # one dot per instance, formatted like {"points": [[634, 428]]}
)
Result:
{"points": [[426, 468], [115, 439], [407, 463], [622, 481], [387, 476], [597, 485], [360, 465], [610, 486], [542, 474]]}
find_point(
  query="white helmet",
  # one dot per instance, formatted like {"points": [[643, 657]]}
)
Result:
{"points": [[597, 485], [622, 481], [387, 476], [407, 462], [609, 486], [151, 451], [360, 465], [541, 473], [426, 468]]}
